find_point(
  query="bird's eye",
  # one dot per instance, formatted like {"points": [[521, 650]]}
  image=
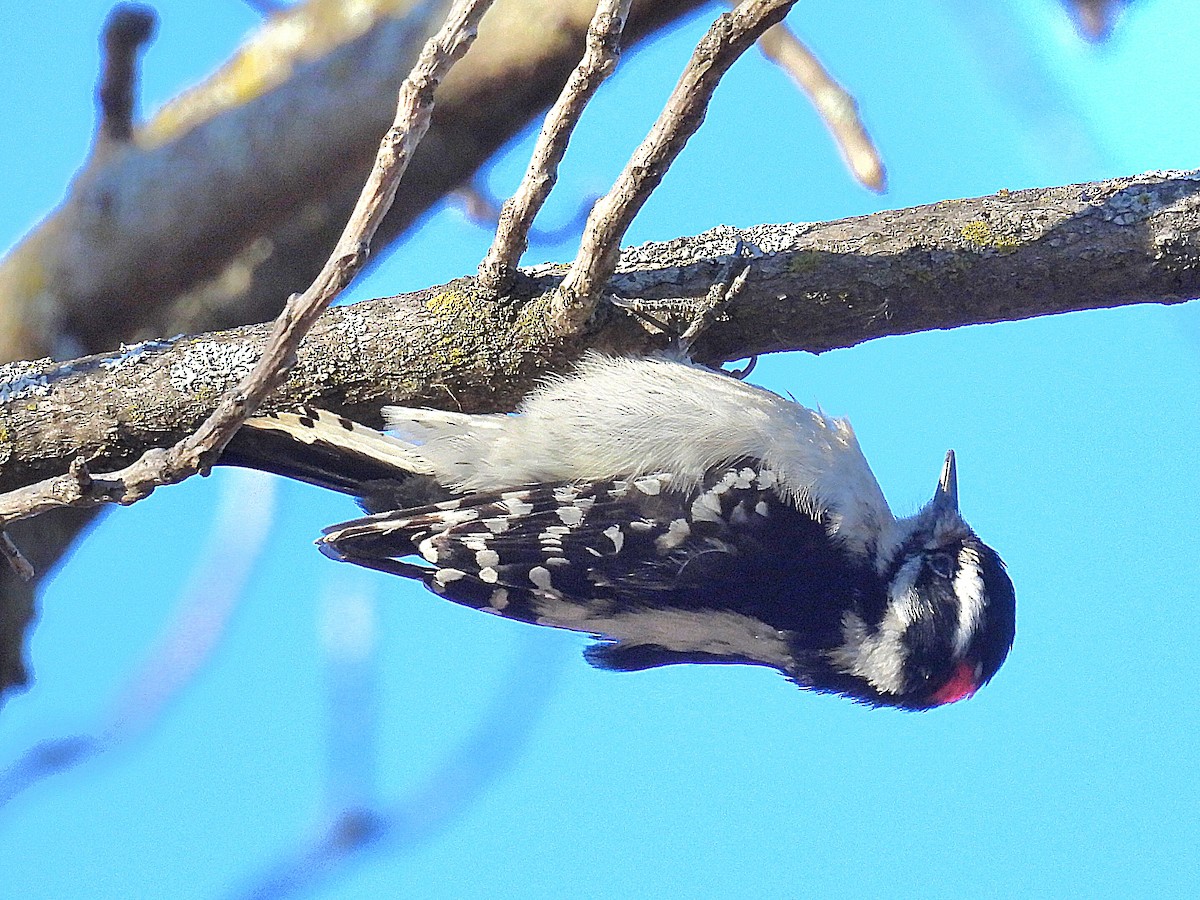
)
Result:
{"points": [[941, 564]]}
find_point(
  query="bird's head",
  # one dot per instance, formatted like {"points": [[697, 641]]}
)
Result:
{"points": [[947, 617]]}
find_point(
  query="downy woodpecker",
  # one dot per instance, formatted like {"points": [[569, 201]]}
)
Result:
{"points": [[675, 513]]}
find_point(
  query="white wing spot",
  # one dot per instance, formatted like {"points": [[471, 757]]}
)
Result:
{"points": [[570, 515], [485, 558], [427, 550], [566, 493], [389, 527], [515, 504], [761, 508], [445, 576], [557, 561], [540, 576], [488, 575], [677, 532], [651, 485], [702, 508], [499, 599], [727, 481], [458, 517], [496, 526], [614, 534]]}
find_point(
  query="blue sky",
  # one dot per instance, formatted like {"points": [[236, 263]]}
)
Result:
{"points": [[510, 768]]}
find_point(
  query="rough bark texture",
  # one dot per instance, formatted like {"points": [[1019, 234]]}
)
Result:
{"points": [[814, 287]]}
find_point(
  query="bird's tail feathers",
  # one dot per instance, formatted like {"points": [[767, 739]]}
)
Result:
{"points": [[419, 426], [329, 451]]}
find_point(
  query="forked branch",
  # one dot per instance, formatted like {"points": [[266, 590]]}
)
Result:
{"points": [[498, 269], [729, 37]]}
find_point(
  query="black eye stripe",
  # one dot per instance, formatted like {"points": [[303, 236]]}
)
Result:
{"points": [[941, 564]]}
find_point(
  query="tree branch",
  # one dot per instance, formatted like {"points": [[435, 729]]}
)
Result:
{"points": [[1008, 256], [498, 269]]}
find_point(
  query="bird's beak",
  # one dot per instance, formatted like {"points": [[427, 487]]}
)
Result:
{"points": [[946, 496]]}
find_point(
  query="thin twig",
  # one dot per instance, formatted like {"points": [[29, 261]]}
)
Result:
{"points": [[126, 30], [728, 38], [199, 451], [602, 50], [835, 105], [15, 558]]}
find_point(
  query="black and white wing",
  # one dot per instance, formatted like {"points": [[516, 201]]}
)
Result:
{"points": [[727, 572]]}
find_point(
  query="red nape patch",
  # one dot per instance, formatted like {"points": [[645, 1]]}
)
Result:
{"points": [[960, 686]]}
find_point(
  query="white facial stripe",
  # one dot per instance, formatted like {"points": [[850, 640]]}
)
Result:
{"points": [[880, 658], [968, 589], [902, 595]]}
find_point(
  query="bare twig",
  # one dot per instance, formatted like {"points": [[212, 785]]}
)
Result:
{"points": [[728, 38], [128, 27], [837, 108], [603, 49], [199, 451], [15, 558]]}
